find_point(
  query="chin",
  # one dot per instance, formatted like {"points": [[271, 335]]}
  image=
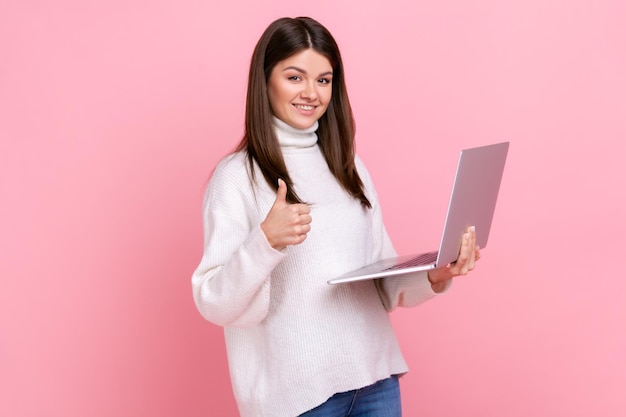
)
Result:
{"points": [[306, 123], [298, 124]]}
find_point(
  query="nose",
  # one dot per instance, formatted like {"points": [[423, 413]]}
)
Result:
{"points": [[309, 90]]}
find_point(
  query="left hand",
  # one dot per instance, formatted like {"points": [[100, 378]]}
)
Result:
{"points": [[468, 255]]}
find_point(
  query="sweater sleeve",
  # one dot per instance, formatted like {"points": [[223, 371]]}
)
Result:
{"points": [[231, 285], [408, 290]]}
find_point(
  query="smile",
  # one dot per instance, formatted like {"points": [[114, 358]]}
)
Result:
{"points": [[304, 107]]}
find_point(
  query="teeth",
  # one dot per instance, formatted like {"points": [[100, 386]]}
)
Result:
{"points": [[303, 107]]}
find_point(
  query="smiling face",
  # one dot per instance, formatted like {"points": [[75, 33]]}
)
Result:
{"points": [[300, 88]]}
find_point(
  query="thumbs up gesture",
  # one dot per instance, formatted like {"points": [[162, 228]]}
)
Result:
{"points": [[286, 224]]}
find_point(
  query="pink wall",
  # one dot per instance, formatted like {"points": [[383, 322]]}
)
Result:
{"points": [[112, 116]]}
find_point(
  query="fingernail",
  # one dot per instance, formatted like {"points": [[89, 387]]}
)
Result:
{"points": [[472, 228]]}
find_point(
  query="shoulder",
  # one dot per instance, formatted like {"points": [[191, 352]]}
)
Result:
{"points": [[233, 170], [231, 164], [363, 171], [368, 182], [236, 181], [230, 177]]}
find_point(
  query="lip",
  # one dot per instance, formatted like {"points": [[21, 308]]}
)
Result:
{"points": [[305, 109]]}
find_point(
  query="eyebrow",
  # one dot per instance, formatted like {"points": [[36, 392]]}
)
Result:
{"points": [[292, 67]]}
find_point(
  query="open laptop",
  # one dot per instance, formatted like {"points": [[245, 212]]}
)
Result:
{"points": [[472, 203]]}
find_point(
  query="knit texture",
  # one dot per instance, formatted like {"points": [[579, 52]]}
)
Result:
{"points": [[293, 340]]}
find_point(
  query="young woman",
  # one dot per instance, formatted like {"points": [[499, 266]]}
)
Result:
{"points": [[290, 209]]}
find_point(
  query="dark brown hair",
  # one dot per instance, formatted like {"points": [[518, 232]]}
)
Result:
{"points": [[283, 38]]}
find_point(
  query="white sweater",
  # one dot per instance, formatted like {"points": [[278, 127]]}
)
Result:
{"points": [[293, 340]]}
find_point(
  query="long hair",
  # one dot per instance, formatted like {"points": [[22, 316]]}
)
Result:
{"points": [[282, 39]]}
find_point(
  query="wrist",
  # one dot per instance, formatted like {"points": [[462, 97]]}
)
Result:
{"points": [[269, 240], [437, 286]]}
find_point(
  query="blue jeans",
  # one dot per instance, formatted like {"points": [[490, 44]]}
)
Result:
{"points": [[381, 399]]}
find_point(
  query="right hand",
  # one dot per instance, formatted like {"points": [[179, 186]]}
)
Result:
{"points": [[466, 261], [286, 224]]}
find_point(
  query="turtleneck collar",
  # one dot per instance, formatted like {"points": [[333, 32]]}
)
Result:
{"points": [[291, 137]]}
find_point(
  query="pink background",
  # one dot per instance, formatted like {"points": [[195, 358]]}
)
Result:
{"points": [[113, 113]]}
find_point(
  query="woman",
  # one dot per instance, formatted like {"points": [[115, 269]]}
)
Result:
{"points": [[290, 209]]}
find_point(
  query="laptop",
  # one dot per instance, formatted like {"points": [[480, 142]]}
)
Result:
{"points": [[472, 203]]}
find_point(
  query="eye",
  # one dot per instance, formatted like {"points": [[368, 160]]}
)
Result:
{"points": [[294, 78], [325, 80]]}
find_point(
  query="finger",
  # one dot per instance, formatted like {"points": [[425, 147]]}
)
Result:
{"points": [[472, 248], [464, 260], [305, 219], [302, 209], [281, 193], [464, 257], [303, 230]]}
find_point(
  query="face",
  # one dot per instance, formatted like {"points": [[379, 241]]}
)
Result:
{"points": [[300, 88]]}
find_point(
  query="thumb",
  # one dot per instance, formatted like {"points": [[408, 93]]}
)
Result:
{"points": [[281, 193]]}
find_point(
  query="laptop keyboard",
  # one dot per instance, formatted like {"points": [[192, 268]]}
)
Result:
{"points": [[423, 259]]}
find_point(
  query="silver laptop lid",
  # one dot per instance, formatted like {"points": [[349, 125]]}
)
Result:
{"points": [[473, 198]]}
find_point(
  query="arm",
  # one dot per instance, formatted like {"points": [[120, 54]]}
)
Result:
{"points": [[413, 289], [401, 291], [407, 290], [231, 286]]}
